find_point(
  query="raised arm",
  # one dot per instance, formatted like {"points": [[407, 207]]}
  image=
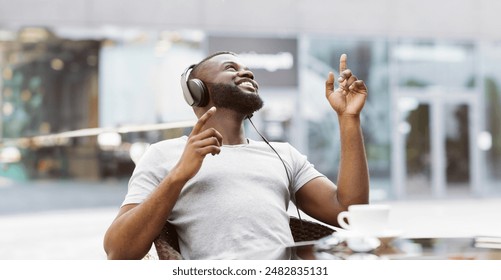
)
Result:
{"points": [[137, 225], [320, 198]]}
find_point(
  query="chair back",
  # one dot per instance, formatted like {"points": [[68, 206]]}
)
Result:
{"points": [[167, 244]]}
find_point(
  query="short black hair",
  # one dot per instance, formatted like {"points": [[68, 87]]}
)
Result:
{"points": [[194, 71]]}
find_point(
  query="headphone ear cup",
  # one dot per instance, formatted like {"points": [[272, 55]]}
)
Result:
{"points": [[199, 92]]}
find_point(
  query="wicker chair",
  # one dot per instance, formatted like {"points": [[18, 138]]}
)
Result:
{"points": [[167, 244]]}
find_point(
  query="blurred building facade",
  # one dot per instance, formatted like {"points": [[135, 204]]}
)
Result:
{"points": [[431, 123]]}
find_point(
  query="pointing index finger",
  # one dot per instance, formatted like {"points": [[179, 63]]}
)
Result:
{"points": [[342, 63], [203, 119]]}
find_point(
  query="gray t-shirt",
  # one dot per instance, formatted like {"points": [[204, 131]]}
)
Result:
{"points": [[236, 205]]}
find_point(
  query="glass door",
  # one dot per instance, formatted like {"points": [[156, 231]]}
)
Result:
{"points": [[436, 91], [434, 152], [414, 128], [457, 149]]}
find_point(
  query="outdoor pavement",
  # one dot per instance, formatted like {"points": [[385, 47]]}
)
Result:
{"points": [[57, 220], [66, 220]]}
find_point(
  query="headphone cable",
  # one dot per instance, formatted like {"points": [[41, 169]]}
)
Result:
{"points": [[285, 166]]}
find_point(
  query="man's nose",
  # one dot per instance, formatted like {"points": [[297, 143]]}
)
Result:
{"points": [[246, 73]]}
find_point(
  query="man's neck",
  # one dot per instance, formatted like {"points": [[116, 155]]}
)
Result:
{"points": [[230, 125]]}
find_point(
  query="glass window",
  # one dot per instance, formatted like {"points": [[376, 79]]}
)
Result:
{"points": [[432, 64], [139, 78], [49, 85]]}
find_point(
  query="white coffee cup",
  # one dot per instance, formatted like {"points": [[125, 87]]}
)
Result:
{"points": [[369, 219]]}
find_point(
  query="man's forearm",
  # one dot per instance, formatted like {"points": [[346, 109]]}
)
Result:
{"points": [[353, 177], [133, 231]]}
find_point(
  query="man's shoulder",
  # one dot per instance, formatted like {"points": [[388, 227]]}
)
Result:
{"points": [[170, 143]]}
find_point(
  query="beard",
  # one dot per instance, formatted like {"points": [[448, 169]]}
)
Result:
{"points": [[233, 98]]}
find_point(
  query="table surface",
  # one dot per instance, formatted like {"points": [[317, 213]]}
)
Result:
{"points": [[436, 248]]}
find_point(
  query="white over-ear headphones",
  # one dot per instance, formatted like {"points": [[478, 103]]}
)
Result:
{"points": [[194, 90]]}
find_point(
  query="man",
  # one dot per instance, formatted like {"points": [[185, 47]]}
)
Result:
{"points": [[228, 195]]}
